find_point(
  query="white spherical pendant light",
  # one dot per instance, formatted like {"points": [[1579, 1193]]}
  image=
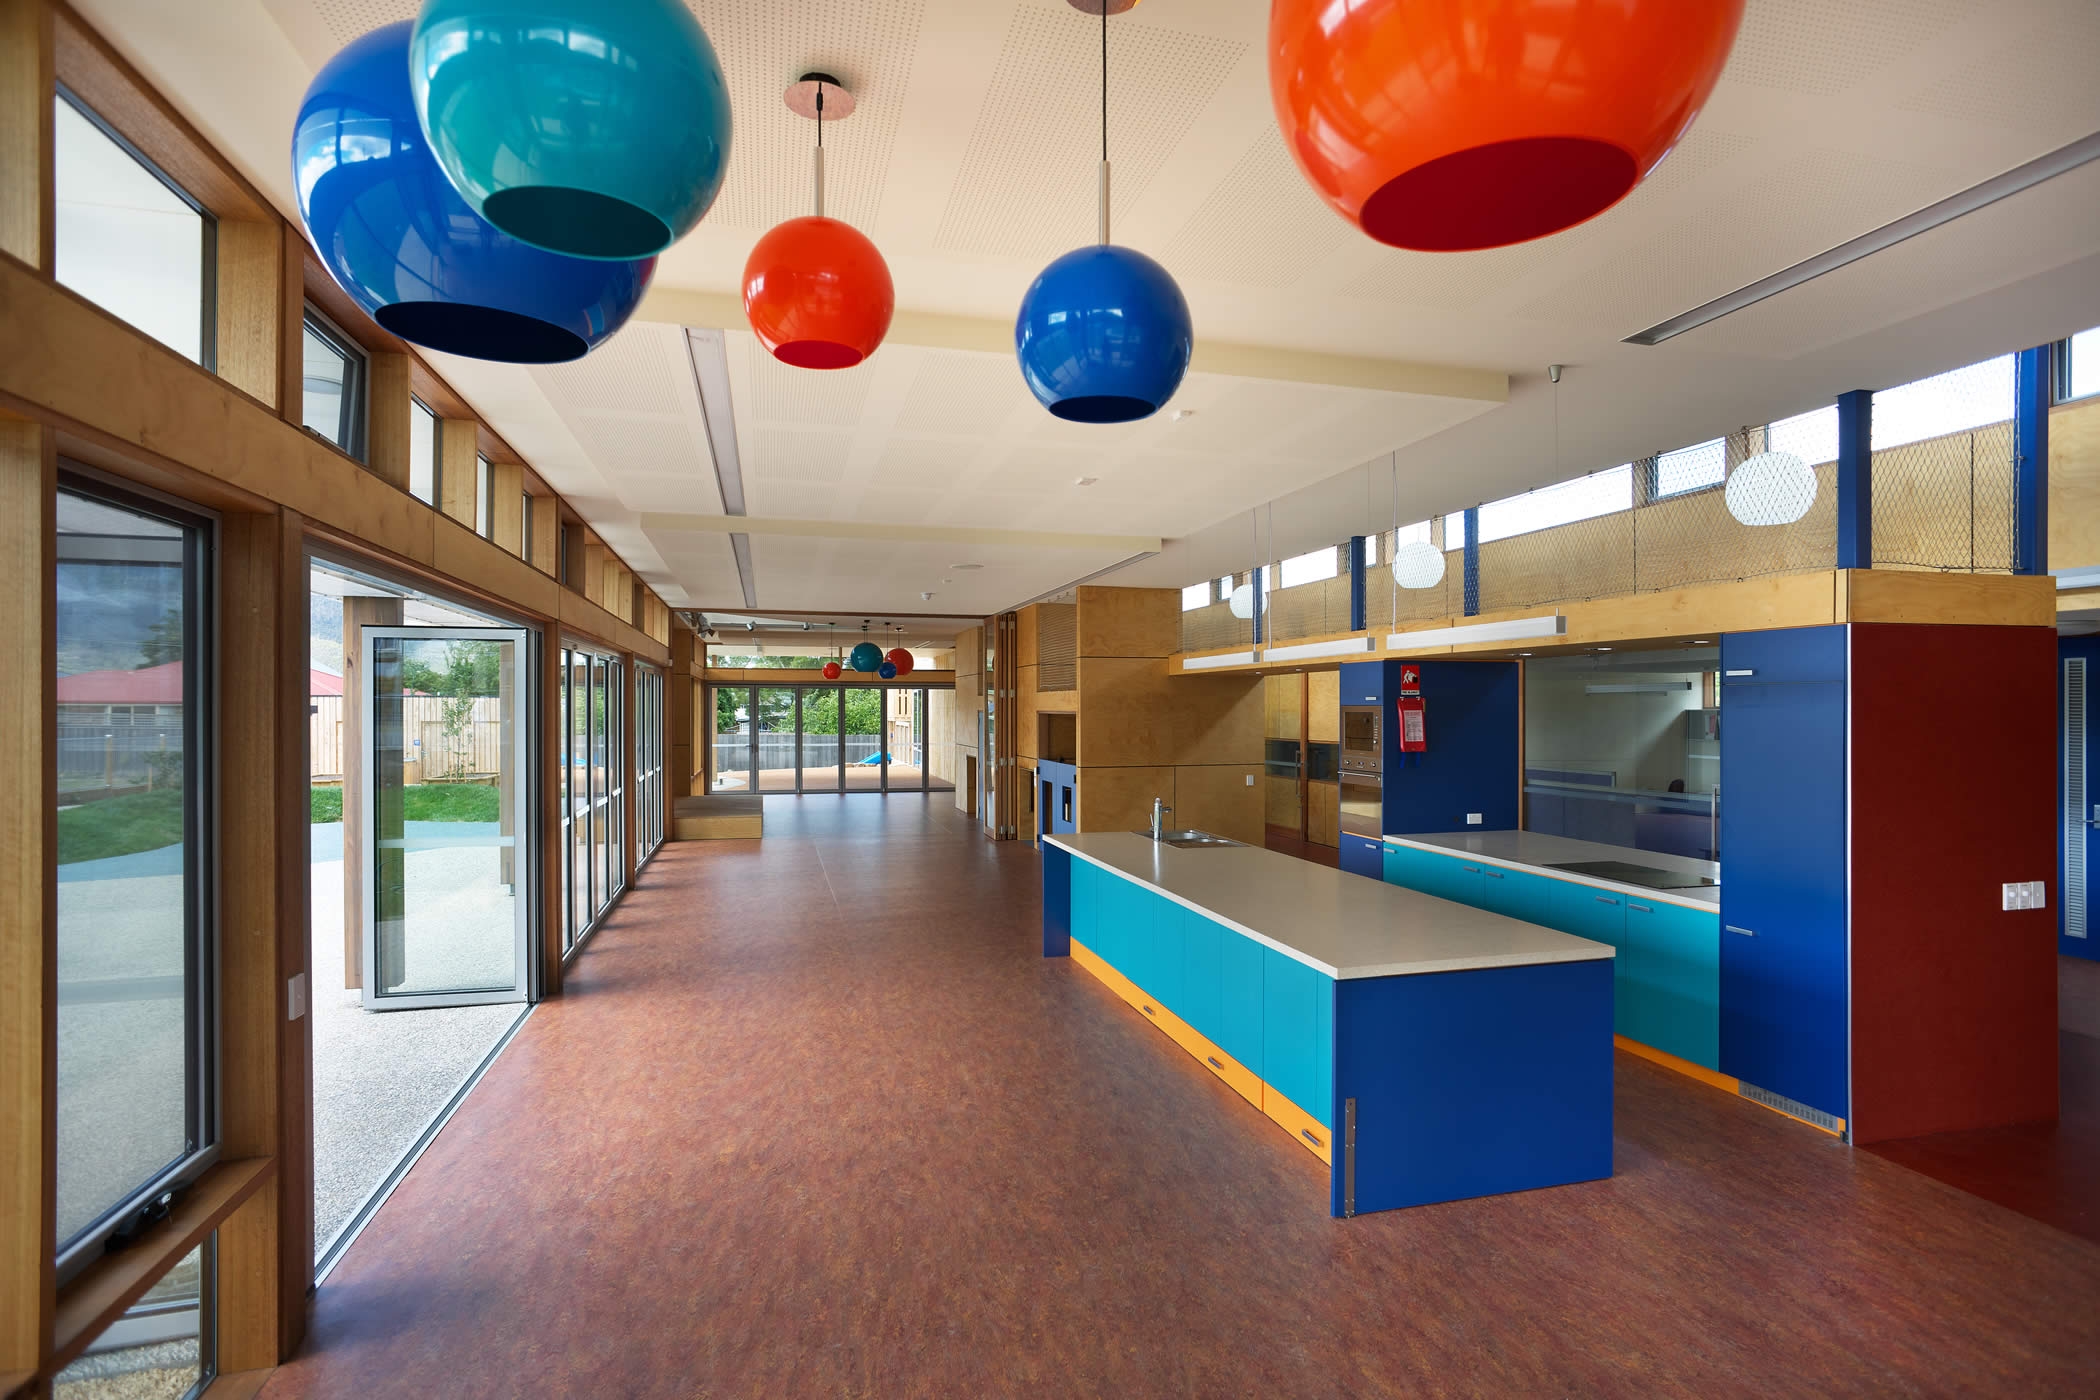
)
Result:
{"points": [[1242, 601], [1418, 564], [1772, 488]]}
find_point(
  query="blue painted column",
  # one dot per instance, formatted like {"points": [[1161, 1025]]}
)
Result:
{"points": [[1472, 563], [2031, 389], [1356, 584], [1255, 577], [1855, 480]]}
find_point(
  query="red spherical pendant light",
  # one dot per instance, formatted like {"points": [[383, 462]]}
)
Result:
{"points": [[832, 670], [1451, 125], [900, 658], [816, 291]]}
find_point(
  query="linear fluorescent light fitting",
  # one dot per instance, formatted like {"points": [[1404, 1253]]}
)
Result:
{"points": [[1304, 651], [1207, 663], [1968, 201], [1515, 629]]}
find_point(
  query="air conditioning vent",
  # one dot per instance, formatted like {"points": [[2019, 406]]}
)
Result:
{"points": [[1828, 1122]]}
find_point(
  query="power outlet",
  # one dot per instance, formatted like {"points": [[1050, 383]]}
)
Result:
{"points": [[2024, 894], [1472, 819]]}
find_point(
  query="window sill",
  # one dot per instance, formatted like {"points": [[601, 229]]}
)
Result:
{"points": [[108, 1287]]}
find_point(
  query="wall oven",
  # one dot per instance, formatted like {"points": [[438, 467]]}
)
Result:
{"points": [[1362, 772]]}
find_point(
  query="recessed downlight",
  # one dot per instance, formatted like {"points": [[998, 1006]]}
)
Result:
{"points": [[1085, 480]]}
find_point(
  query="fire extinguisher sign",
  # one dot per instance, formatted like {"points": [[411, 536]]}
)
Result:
{"points": [[1410, 678]]}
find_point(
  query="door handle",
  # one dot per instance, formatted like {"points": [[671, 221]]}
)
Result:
{"points": [[1746, 932], [1606, 899]]}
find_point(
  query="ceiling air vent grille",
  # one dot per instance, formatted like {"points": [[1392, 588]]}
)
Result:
{"points": [[1057, 646]]}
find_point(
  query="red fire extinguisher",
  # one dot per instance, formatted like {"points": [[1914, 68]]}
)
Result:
{"points": [[1410, 728]]}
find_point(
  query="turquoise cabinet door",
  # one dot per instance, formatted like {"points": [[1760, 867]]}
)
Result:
{"points": [[1137, 934], [1599, 915], [1297, 1033], [1407, 867], [1202, 979], [1518, 894], [1114, 898], [1446, 877], [1669, 983], [1239, 1033], [1167, 953]]}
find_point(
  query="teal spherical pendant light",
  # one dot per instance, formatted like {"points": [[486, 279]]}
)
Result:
{"points": [[596, 128], [1103, 334]]}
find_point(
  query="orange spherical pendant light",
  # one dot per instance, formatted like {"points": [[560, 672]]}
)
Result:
{"points": [[1450, 125], [816, 291]]}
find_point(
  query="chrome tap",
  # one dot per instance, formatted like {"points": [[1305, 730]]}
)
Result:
{"points": [[1159, 813]]}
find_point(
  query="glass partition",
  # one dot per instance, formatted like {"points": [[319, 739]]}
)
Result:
{"points": [[775, 715], [860, 739], [820, 740], [1624, 748], [732, 738]]}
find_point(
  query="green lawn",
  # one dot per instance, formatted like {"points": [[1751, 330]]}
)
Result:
{"points": [[425, 802], [119, 826]]}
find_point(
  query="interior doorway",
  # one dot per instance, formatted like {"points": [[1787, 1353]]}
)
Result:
{"points": [[420, 716], [833, 738]]}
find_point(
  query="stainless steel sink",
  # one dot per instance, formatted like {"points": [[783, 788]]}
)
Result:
{"points": [[1186, 839]]}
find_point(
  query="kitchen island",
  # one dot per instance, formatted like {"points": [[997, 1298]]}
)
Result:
{"points": [[1425, 1050]]}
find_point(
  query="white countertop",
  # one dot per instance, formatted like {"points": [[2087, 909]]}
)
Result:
{"points": [[1332, 921], [1531, 850]]}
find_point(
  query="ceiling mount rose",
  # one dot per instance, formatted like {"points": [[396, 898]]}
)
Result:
{"points": [[801, 97], [1094, 7]]}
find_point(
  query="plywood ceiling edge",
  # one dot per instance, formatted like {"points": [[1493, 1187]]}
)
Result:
{"points": [[866, 530]]}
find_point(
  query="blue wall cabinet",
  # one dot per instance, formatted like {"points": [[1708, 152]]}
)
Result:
{"points": [[1363, 856], [1363, 682], [1297, 1028], [1669, 981], [1473, 711], [1783, 987]]}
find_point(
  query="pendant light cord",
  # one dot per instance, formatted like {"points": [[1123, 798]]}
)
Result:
{"points": [[820, 148], [1103, 195]]}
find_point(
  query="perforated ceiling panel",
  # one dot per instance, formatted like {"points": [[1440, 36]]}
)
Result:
{"points": [[958, 392], [1819, 47], [1262, 226], [632, 408], [1035, 197], [347, 19], [2041, 81], [765, 45], [1772, 220]]}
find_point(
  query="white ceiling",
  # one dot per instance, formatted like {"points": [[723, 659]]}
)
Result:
{"points": [[970, 162]]}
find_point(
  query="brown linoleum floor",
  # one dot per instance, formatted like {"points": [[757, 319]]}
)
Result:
{"points": [[816, 1119]]}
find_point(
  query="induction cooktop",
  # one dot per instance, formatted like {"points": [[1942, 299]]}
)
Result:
{"points": [[1646, 876]]}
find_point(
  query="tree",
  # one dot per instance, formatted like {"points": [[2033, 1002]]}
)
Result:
{"points": [[164, 640]]}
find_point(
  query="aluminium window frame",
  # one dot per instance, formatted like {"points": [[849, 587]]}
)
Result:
{"points": [[354, 415], [203, 1035], [208, 285], [2060, 372]]}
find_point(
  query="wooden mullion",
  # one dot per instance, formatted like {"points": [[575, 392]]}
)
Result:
{"points": [[390, 417], [507, 508], [545, 552], [26, 85], [28, 896], [549, 840], [248, 286], [459, 474]]}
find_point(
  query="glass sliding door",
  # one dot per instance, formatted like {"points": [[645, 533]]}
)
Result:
{"points": [[648, 761], [595, 828], [445, 804], [609, 835], [775, 736], [732, 741], [576, 811], [860, 738], [820, 739]]}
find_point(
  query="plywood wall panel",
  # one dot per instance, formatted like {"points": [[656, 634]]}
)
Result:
{"points": [[1218, 798], [1120, 799], [1129, 621]]}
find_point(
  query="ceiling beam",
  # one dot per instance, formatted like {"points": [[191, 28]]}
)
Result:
{"points": [[868, 530], [722, 310]]}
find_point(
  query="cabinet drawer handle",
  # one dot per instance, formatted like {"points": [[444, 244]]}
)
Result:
{"points": [[1306, 1133], [1214, 1061], [1494, 874], [1745, 671], [1150, 1012], [1640, 909], [1746, 932], [1471, 869], [1606, 899]]}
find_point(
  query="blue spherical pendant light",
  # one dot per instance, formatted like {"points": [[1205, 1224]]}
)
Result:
{"points": [[597, 128], [1104, 333], [1104, 336], [398, 238]]}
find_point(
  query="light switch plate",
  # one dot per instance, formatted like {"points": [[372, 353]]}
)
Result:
{"points": [[1250, 780], [295, 997], [2038, 894], [1472, 819]]}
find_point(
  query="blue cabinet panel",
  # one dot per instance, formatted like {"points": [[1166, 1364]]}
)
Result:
{"points": [[1202, 974], [1239, 1033], [1363, 682], [1446, 877], [1785, 655], [1474, 714], [1057, 901], [1474, 1083], [1298, 1034], [1363, 856], [1518, 894], [1669, 983], [1086, 903], [1782, 976]]}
